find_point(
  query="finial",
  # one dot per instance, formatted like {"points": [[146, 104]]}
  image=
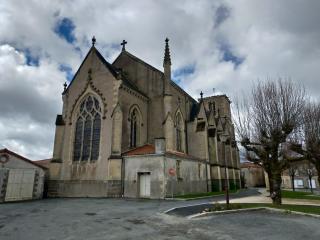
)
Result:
{"points": [[65, 86], [93, 40], [167, 59], [123, 44], [201, 95]]}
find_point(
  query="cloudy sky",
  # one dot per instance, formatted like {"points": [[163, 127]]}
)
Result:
{"points": [[221, 45]]}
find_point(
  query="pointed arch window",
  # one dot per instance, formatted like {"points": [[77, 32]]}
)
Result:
{"points": [[87, 130], [179, 132], [134, 128]]}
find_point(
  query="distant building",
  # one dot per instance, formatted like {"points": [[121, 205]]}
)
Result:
{"points": [[253, 175], [20, 178], [301, 178]]}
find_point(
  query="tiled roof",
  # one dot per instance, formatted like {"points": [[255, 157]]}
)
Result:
{"points": [[181, 154], [249, 165], [7, 151], [45, 162], [150, 149], [145, 149]]}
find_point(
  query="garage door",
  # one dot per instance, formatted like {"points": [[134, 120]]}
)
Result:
{"points": [[144, 179], [20, 184]]}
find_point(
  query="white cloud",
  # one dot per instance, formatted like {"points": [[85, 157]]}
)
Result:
{"points": [[29, 101], [275, 39]]}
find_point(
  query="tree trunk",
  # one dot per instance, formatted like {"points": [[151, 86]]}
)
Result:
{"points": [[276, 193], [318, 170], [270, 179], [310, 183], [292, 182]]}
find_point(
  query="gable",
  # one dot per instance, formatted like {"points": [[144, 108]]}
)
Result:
{"points": [[92, 57], [15, 160]]}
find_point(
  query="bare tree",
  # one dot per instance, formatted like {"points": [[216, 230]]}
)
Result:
{"points": [[264, 123], [292, 173], [309, 145]]}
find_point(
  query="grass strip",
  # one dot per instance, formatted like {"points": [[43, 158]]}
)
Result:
{"points": [[288, 207], [299, 195]]}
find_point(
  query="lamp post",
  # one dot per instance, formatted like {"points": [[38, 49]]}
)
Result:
{"points": [[224, 138]]}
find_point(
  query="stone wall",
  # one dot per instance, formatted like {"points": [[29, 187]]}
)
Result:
{"points": [[153, 164], [85, 188], [190, 177]]}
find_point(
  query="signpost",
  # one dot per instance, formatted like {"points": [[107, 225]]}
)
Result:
{"points": [[172, 173]]}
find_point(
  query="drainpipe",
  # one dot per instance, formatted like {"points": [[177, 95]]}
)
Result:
{"points": [[122, 175], [208, 158]]}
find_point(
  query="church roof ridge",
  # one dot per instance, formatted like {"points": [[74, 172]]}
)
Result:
{"points": [[216, 96], [154, 68], [114, 71], [139, 60]]}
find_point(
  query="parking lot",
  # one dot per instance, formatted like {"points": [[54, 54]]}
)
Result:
{"points": [[142, 219]]}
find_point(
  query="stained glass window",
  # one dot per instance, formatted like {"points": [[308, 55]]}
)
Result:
{"points": [[95, 137], [179, 132], [134, 124], [86, 139], [78, 140], [87, 130]]}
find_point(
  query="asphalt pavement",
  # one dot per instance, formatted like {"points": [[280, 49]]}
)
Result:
{"points": [[193, 207], [105, 218]]}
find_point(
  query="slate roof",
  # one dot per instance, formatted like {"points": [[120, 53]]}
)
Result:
{"points": [[135, 58], [111, 68]]}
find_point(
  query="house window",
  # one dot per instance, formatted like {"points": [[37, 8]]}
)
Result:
{"points": [[134, 128], [87, 130], [199, 170]]}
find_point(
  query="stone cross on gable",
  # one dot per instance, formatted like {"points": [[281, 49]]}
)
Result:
{"points": [[93, 40], [201, 94], [123, 44]]}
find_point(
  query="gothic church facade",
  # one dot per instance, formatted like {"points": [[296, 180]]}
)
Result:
{"points": [[127, 129]]}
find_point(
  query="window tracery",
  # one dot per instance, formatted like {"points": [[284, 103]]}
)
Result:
{"points": [[134, 128], [87, 130], [179, 132]]}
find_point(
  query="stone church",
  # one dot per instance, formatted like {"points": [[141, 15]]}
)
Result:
{"points": [[128, 130]]}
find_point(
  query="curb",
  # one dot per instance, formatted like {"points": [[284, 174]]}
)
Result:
{"points": [[197, 198], [199, 215], [192, 205]]}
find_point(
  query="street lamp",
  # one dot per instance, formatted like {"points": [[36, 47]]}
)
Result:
{"points": [[224, 138]]}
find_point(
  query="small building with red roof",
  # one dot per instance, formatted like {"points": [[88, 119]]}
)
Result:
{"points": [[20, 178], [152, 172]]}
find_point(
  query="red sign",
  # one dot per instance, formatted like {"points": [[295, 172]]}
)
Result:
{"points": [[172, 171]]}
